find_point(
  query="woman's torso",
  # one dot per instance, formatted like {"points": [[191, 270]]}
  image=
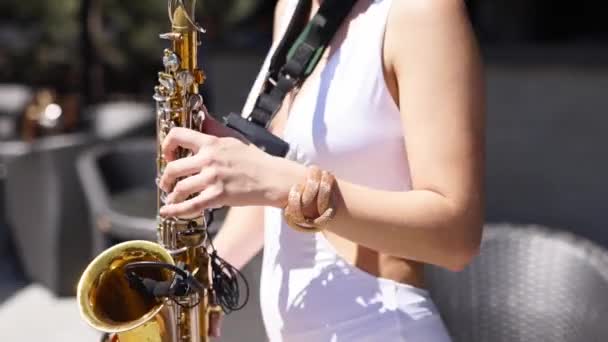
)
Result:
{"points": [[319, 286]]}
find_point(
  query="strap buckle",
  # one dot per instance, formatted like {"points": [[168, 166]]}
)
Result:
{"points": [[272, 81]]}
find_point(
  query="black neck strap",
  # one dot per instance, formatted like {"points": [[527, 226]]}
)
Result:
{"points": [[298, 54], [295, 58], [294, 29]]}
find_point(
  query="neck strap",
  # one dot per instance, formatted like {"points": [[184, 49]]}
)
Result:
{"points": [[302, 56], [295, 58]]}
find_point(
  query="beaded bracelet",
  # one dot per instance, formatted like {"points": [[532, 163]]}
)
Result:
{"points": [[319, 186]]}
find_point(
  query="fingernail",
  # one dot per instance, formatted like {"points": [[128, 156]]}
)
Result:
{"points": [[163, 211]]}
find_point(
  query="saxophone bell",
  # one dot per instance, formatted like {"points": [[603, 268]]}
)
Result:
{"points": [[109, 303]]}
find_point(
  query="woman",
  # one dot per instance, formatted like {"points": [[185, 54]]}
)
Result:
{"points": [[395, 113]]}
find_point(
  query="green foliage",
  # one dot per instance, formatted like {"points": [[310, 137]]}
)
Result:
{"points": [[228, 12], [38, 36], [41, 38]]}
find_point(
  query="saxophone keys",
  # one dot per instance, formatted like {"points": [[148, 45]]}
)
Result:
{"points": [[197, 110], [199, 76], [172, 36], [163, 129], [168, 82], [160, 94], [171, 60], [184, 79], [195, 103]]}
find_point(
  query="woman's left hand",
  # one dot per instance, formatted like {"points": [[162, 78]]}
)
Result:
{"points": [[224, 171]]}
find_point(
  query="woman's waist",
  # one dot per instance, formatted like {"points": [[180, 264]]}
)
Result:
{"points": [[374, 263], [310, 281], [311, 299], [309, 253]]}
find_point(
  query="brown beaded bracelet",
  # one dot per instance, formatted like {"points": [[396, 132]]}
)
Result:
{"points": [[319, 186]]}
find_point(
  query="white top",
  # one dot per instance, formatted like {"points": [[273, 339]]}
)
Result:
{"points": [[345, 121]]}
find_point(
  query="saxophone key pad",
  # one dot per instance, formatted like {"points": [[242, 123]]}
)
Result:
{"points": [[195, 103], [171, 61], [164, 126], [158, 97], [184, 79], [168, 82]]}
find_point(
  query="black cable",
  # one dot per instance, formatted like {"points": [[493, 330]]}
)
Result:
{"points": [[209, 217], [177, 287], [225, 279], [225, 282]]}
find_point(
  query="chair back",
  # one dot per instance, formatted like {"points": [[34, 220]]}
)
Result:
{"points": [[528, 284], [546, 141], [119, 184], [121, 119]]}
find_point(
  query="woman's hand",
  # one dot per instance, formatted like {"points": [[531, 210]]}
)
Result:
{"points": [[224, 171]]}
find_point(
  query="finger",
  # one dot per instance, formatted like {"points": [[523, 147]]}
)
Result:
{"points": [[181, 168], [215, 324], [186, 138], [191, 185], [208, 198]]}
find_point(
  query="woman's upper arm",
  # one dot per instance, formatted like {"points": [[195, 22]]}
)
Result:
{"points": [[433, 53]]}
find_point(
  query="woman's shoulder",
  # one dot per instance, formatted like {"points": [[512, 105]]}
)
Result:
{"points": [[416, 15], [422, 24], [426, 8]]}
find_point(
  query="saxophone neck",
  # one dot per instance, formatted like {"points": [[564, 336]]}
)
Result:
{"points": [[182, 20], [185, 41], [182, 14]]}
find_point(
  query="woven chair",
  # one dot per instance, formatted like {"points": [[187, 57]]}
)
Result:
{"points": [[118, 180], [120, 119], [530, 284]]}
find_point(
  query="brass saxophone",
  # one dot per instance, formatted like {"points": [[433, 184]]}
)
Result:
{"points": [[145, 291]]}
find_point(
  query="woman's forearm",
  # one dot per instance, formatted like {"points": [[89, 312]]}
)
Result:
{"points": [[241, 236], [419, 225], [423, 225]]}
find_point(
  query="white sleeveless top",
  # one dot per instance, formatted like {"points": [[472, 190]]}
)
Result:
{"points": [[345, 121]]}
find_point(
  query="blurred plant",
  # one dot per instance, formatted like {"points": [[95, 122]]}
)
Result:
{"points": [[228, 13], [41, 39], [37, 37], [128, 30], [124, 33]]}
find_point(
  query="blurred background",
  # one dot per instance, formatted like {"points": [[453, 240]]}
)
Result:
{"points": [[77, 155]]}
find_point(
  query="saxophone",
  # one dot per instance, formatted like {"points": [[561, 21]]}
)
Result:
{"points": [[161, 292]]}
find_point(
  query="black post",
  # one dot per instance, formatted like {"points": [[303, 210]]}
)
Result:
{"points": [[85, 52]]}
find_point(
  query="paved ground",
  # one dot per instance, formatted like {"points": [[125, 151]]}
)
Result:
{"points": [[33, 314]]}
